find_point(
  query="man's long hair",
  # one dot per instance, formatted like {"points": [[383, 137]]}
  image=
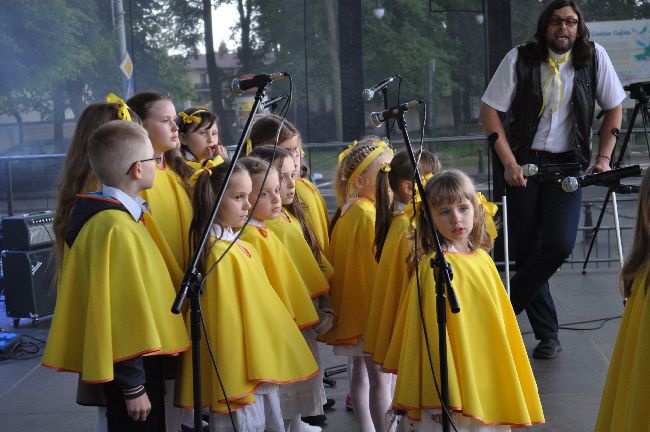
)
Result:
{"points": [[537, 49]]}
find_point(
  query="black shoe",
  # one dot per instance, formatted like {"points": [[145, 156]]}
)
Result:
{"points": [[547, 349], [329, 404], [317, 420]]}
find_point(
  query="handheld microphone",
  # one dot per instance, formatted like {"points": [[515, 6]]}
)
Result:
{"points": [[552, 171], [369, 93], [238, 86], [272, 103], [377, 118], [530, 170], [606, 178]]}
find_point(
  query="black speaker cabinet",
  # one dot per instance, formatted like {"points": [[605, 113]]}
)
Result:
{"points": [[27, 283]]}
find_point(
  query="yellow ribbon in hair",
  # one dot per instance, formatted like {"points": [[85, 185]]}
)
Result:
{"points": [[347, 151], [191, 118], [211, 163], [557, 83], [490, 211], [381, 147], [412, 210], [122, 110], [249, 146], [385, 167]]}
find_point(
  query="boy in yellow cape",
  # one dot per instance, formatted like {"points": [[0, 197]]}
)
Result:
{"points": [[112, 322]]}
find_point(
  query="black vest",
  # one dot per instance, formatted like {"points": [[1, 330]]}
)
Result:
{"points": [[522, 118]]}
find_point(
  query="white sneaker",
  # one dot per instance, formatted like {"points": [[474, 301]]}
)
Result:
{"points": [[306, 427]]}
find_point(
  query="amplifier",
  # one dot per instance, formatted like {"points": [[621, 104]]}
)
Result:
{"points": [[27, 282], [28, 231]]}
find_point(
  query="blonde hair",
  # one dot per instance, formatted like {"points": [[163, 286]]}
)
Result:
{"points": [[640, 251], [442, 189], [347, 166], [114, 147]]}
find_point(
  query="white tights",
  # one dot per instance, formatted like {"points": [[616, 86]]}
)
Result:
{"points": [[371, 395]]}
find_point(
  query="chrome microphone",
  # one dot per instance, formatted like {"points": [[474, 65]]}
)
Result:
{"points": [[238, 86], [377, 118], [605, 178], [369, 93]]}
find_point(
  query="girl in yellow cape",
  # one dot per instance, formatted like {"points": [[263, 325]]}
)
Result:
{"points": [[294, 231], [491, 384], [168, 199], [351, 254], [392, 246], [299, 399], [256, 344], [627, 389], [198, 132], [263, 132]]}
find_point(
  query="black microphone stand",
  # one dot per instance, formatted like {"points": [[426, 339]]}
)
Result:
{"points": [[641, 105], [191, 285], [384, 92], [443, 280]]}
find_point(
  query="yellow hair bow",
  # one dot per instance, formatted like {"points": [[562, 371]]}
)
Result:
{"points": [[122, 110], [191, 118], [249, 146], [211, 163], [347, 151], [385, 167], [490, 211]]}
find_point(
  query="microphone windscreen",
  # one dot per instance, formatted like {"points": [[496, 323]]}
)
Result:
{"points": [[570, 184], [530, 170], [367, 95]]}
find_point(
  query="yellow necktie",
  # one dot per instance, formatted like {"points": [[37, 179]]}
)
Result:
{"points": [[557, 83]]}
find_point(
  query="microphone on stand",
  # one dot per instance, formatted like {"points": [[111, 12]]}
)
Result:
{"points": [[377, 118], [606, 178], [238, 86], [369, 93], [273, 103]]}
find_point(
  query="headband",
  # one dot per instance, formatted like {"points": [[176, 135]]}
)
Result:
{"points": [[191, 118]]}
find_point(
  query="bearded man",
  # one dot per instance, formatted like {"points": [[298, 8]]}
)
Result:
{"points": [[548, 89]]}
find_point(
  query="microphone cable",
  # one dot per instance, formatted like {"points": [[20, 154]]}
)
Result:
{"points": [[445, 410], [283, 114]]}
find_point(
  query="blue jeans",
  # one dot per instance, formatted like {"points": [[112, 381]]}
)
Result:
{"points": [[543, 223]]}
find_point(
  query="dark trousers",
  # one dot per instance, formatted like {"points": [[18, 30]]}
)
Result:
{"points": [[543, 222], [117, 416]]}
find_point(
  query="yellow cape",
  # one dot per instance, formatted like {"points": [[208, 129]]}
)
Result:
{"points": [[287, 228], [253, 338], [283, 274], [315, 211], [171, 210], [351, 254], [490, 378], [113, 300], [390, 284], [624, 405]]}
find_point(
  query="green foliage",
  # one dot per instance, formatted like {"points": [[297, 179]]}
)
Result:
{"points": [[72, 45]]}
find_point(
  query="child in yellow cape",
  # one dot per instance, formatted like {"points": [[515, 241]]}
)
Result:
{"points": [[169, 202], [624, 402], [256, 344], [491, 384], [263, 132], [292, 228], [112, 323], [305, 398], [351, 254], [198, 132], [392, 247]]}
